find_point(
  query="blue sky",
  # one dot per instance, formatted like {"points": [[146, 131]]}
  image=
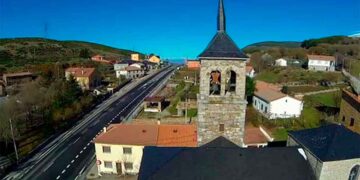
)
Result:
{"points": [[176, 28]]}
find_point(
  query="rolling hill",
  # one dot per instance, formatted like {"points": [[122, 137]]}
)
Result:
{"points": [[21, 51]]}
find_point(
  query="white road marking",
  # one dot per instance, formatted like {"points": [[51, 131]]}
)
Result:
{"points": [[72, 161], [76, 156], [58, 177], [68, 166], [88, 143], [62, 172], [81, 151]]}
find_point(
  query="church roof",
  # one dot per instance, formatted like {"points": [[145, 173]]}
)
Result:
{"points": [[329, 143], [222, 46], [213, 163]]}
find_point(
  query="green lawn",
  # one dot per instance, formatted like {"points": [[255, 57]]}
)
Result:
{"points": [[284, 75], [268, 76], [331, 99], [355, 68], [280, 134]]}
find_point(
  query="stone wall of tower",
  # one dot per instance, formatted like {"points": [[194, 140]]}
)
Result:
{"points": [[228, 109]]}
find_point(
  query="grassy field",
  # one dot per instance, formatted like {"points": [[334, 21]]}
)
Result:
{"points": [[285, 75], [355, 68]]}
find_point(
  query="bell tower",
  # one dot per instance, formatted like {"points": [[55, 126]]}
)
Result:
{"points": [[221, 101]]}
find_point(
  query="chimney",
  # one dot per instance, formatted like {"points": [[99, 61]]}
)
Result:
{"points": [[104, 129], [158, 122], [82, 71]]}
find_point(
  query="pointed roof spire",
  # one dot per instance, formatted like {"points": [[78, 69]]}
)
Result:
{"points": [[222, 47], [221, 17]]}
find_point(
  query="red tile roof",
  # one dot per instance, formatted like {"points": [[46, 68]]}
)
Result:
{"points": [[321, 57], [132, 68], [127, 134], [269, 95], [253, 135], [80, 72], [150, 135], [177, 136]]}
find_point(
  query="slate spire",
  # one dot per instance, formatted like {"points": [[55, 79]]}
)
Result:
{"points": [[221, 24]]}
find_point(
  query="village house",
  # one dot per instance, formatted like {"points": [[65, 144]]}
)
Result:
{"points": [[288, 62], [138, 65], [321, 63], [193, 64], [119, 148], [154, 59], [87, 78], [101, 59], [250, 71], [272, 103], [154, 104], [332, 151], [135, 57], [131, 72], [11, 79], [120, 66], [222, 159], [350, 110]]}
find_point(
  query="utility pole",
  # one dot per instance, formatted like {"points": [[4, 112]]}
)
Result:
{"points": [[13, 138]]}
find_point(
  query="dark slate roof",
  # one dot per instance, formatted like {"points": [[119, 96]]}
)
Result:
{"points": [[222, 47], [210, 163], [329, 143], [220, 142]]}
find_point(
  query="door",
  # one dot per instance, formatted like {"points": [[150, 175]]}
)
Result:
{"points": [[119, 168]]}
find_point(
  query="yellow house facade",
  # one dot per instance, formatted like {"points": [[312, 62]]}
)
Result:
{"points": [[154, 59], [135, 57]]}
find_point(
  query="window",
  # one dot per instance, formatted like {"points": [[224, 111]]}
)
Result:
{"points": [[255, 102], [128, 165], [343, 119], [221, 127], [352, 122], [230, 82], [265, 109], [262, 106], [106, 149], [215, 83], [127, 150], [108, 164]]}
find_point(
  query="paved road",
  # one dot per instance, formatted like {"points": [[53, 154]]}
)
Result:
{"points": [[66, 157]]}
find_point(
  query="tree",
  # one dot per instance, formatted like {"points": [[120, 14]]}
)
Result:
{"points": [[84, 53], [250, 86]]}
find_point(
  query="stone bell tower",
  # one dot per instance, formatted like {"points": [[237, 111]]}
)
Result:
{"points": [[221, 101]]}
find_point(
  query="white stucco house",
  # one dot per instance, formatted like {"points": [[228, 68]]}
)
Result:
{"points": [[282, 62], [274, 104], [250, 72], [130, 72], [321, 63]]}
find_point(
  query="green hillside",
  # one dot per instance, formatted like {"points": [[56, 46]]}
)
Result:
{"points": [[23, 51]]}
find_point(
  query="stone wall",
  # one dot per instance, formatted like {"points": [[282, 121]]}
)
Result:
{"points": [[348, 111], [335, 170], [227, 108]]}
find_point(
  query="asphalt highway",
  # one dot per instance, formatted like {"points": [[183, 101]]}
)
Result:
{"points": [[67, 156]]}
